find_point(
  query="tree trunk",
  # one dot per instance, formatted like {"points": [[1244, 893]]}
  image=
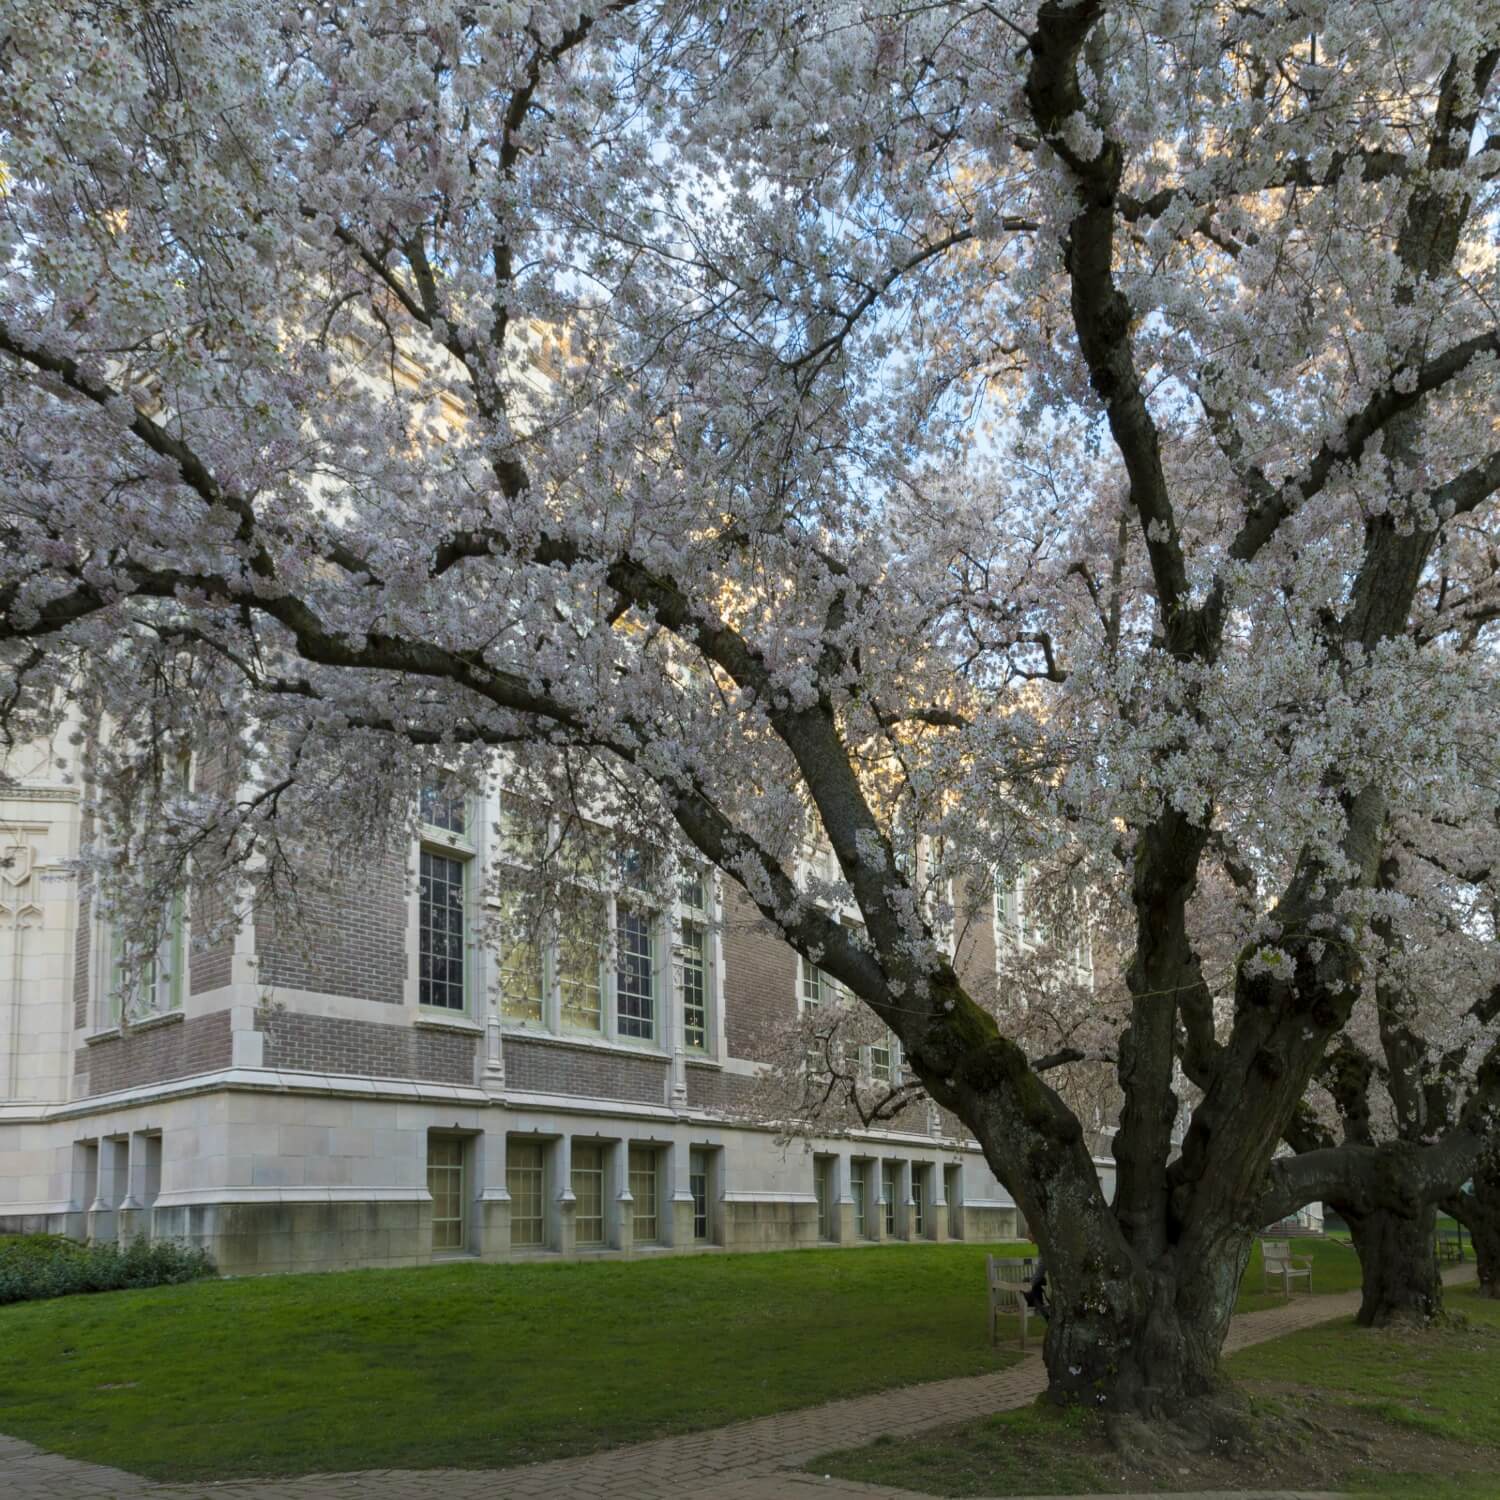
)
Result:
{"points": [[1141, 1344], [1399, 1279], [1479, 1212]]}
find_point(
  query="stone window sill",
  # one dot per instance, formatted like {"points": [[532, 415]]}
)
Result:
{"points": [[144, 1023], [592, 1043], [427, 1020]]}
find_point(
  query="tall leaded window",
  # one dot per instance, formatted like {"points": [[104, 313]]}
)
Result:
{"points": [[817, 987], [578, 965], [857, 1192], [635, 974], [442, 930], [522, 982], [442, 804], [698, 1187], [885, 1060], [694, 987], [919, 1201], [588, 1191], [523, 1181], [823, 1189], [888, 1180], [1007, 903], [153, 987], [445, 1182], [643, 1188]]}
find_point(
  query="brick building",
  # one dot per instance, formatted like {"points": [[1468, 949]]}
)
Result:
{"points": [[395, 1090]]}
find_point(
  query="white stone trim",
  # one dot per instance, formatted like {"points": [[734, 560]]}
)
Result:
{"points": [[593, 1043], [730, 1196], [192, 1197]]}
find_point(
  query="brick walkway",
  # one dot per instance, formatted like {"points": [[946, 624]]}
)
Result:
{"points": [[746, 1461]]}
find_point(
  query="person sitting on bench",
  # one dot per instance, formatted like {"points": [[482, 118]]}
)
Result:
{"points": [[1036, 1293]]}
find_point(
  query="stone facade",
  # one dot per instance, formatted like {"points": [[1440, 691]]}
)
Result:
{"points": [[285, 1097]]}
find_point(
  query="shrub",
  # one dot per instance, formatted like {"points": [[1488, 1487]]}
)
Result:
{"points": [[47, 1265]]}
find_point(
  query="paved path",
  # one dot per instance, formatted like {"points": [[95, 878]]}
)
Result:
{"points": [[747, 1461]]}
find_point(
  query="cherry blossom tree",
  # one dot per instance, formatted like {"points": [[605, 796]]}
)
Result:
{"points": [[1409, 1058], [865, 421]]}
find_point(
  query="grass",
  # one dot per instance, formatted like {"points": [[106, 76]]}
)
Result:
{"points": [[1382, 1412], [477, 1366], [1335, 1269]]}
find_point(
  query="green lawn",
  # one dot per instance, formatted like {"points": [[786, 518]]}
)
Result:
{"points": [[1335, 1269], [478, 1366], [1399, 1413]]}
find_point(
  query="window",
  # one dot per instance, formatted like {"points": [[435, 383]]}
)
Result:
{"points": [[521, 976], [578, 961], [443, 894], [445, 1182], [643, 1189], [818, 988], [1007, 905], [442, 931], [823, 1188], [857, 1192], [442, 805], [635, 974], [698, 1187], [885, 1060], [918, 1198], [523, 1181], [155, 986], [694, 987], [588, 1191], [692, 891], [889, 1177], [590, 963]]}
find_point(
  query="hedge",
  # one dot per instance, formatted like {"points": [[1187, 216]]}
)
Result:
{"points": [[48, 1265]]}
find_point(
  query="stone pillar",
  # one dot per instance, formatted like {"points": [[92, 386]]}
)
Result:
{"points": [[937, 1210], [83, 1188], [247, 1044], [492, 1071], [903, 1201], [875, 1199], [841, 1209], [618, 1200], [134, 1211], [679, 1228], [103, 1224], [491, 1197], [560, 1230], [672, 1007]]}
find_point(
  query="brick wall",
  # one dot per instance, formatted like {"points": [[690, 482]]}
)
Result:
{"points": [[209, 965], [179, 1049], [211, 968], [760, 977], [722, 1093], [582, 1072], [81, 958], [366, 1049], [347, 936], [974, 922]]}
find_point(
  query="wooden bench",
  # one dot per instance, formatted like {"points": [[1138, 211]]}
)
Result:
{"points": [[1009, 1280], [1277, 1261], [1449, 1244]]}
